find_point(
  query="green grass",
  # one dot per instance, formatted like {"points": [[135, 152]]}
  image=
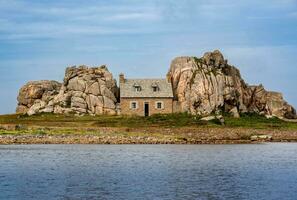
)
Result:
{"points": [[158, 120], [259, 122]]}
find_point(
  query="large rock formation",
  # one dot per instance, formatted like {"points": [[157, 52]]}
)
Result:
{"points": [[201, 86], [209, 84], [35, 95], [84, 91]]}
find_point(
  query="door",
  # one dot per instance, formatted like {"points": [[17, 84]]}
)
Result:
{"points": [[146, 109]]}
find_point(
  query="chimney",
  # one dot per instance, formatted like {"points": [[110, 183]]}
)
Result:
{"points": [[122, 78]]}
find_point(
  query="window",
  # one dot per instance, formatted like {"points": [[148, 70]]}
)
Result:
{"points": [[133, 105], [155, 89], [159, 105], [137, 88]]}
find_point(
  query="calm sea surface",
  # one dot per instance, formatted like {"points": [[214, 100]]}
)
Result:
{"points": [[263, 171]]}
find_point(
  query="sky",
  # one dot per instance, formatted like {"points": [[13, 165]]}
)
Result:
{"points": [[40, 38]]}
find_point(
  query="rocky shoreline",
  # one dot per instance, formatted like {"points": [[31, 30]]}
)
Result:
{"points": [[153, 136], [89, 139]]}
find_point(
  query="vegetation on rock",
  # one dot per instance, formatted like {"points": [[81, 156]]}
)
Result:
{"points": [[218, 86], [200, 85]]}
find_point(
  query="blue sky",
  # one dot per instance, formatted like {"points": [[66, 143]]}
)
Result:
{"points": [[39, 39]]}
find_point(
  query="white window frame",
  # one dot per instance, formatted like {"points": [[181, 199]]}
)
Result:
{"points": [[136, 105], [137, 88], [162, 105]]}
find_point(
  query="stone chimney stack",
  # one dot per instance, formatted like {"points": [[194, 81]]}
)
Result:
{"points": [[122, 78]]}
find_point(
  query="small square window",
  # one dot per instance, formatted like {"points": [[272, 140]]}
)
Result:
{"points": [[137, 88], [133, 105], [159, 105]]}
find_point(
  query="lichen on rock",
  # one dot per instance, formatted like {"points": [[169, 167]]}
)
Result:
{"points": [[84, 91], [36, 94], [201, 86], [205, 85]]}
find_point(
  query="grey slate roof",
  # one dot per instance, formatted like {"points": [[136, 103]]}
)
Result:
{"points": [[127, 89]]}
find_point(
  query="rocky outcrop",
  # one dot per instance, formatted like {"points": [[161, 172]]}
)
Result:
{"points": [[201, 86], [84, 91], [210, 85], [258, 100], [35, 95]]}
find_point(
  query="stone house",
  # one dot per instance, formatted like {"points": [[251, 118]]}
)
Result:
{"points": [[145, 97]]}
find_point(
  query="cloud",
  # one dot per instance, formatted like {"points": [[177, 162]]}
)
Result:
{"points": [[69, 11], [133, 16], [39, 38], [114, 13], [28, 20], [52, 31]]}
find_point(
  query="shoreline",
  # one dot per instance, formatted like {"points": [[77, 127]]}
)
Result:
{"points": [[30, 139], [89, 139], [151, 135], [159, 129], [33, 139]]}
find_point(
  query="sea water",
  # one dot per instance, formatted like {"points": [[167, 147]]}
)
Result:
{"points": [[251, 171]]}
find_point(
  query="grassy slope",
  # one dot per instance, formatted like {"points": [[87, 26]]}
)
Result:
{"points": [[172, 128], [166, 121]]}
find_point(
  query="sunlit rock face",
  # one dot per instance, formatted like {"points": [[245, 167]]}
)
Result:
{"points": [[35, 95], [84, 91], [201, 86], [209, 84]]}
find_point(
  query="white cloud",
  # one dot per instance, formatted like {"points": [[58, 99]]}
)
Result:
{"points": [[133, 16], [49, 30], [29, 20], [80, 34]]}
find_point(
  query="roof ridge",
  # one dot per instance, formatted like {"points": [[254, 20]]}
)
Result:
{"points": [[126, 88], [145, 78]]}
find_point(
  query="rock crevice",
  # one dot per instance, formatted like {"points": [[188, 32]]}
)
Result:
{"points": [[84, 91], [201, 86], [209, 84]]}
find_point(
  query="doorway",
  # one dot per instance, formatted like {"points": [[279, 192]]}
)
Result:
{"points": [[146, 109]]}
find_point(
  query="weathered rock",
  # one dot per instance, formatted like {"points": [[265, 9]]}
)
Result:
{"points": [[47, 109], [89, 87], [37, 106], [234, 112], [84, 91], [108, 103], [221, 119], [76, 84], [208, 118], [201, 86], [215, 58], [35, 91], [261, 137], [78, 102], [22, 109], [93, 88], [95, 104], [208, 84], [258, 100]]}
